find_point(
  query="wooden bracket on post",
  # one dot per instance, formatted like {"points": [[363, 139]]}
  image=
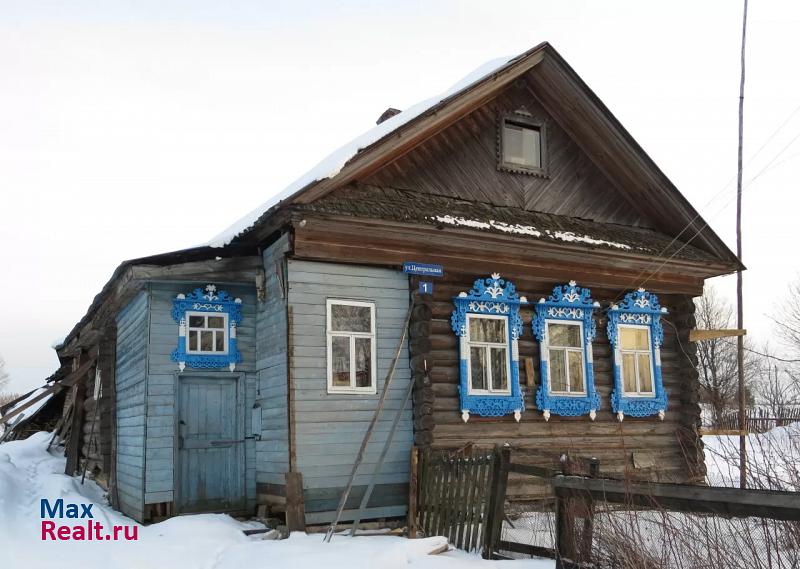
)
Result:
{"points": [[295, 503], [701, 335]]}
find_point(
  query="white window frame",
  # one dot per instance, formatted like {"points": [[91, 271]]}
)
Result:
{"points": [[581, 350], [649, 351], [226, 329], [510, 122], [488, 346], [330, 334]]}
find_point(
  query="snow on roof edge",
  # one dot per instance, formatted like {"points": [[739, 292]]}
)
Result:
{"points": [[333, 163]]}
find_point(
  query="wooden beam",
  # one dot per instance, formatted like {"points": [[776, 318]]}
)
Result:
{"points": [[701, 335], [684, 498], [295, 503]]}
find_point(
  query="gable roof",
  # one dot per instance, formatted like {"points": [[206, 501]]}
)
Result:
{"points": [[563, 94]]}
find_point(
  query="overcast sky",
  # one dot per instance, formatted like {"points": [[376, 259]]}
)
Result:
{"points": [[133, 128]]}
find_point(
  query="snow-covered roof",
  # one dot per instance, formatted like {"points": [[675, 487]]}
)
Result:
{"points": [[333, 164], [408, 206]]}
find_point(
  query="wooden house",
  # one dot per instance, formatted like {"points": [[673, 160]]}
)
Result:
{"points": [[244, 373]]}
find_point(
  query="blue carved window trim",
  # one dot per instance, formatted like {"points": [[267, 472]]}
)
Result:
{"points": [[207, 301], [496, 297], [639, 308], [569, 303]]}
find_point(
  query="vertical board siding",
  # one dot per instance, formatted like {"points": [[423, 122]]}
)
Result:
{"points": [[130, 377], [161, 463], [329, 428], [272, 451]]}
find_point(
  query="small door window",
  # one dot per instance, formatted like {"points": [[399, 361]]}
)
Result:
{"points": [[206, 333]]}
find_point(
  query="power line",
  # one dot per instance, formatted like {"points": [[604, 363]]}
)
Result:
{"points": [[774, 133]]}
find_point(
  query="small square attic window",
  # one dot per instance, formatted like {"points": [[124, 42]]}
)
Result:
{"points": [[522, 145]]}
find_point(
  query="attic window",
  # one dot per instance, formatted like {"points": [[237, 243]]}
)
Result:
{"points": [[521, 145]]}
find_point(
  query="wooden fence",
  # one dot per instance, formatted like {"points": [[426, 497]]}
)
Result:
{"points": [[757, 420], [462, 497], [458, 495]]}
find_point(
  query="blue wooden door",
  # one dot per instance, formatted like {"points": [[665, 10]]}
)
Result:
{"points": [[211, 445]]}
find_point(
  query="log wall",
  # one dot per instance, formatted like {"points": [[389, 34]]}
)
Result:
{"points": [[646, 448]]}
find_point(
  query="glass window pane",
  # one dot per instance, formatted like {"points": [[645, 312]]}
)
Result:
{"points": [[575, 371], [219, 341], [558, 370], [522, 145], [206, 341], [346, 318], [216, 322], [477, 368], [487, 330], [645, 380], [634, 338], [197, 321], [192, 341], [499, 369], [363, 362], [564, 335], [629, 373], [340, 364]]}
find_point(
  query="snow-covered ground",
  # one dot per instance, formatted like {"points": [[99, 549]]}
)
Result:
{"points": [[773, 459], [28, 474]]}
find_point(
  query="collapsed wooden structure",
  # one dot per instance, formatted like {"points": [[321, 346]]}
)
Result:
{"points": [[264, 352]]}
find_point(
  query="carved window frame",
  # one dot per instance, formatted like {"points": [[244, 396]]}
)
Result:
{"points": [[496, 297], [526, 120], [207, 300], [641, 309], [568, 303]]}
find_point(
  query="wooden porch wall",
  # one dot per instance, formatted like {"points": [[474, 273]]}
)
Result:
{"points": [[272, 451], [672, 444], [161, 451], [130, 378], [328, 428]]}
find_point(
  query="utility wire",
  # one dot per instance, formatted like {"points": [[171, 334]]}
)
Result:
{"points": [[721, 192]]}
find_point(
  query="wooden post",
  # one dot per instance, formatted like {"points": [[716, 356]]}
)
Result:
{"points": [[412, 494], [295, 504], [588, 522], [496, 513], [565, 527], [739, 284], [76, 430]]}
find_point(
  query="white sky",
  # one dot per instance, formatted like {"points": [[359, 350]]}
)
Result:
{"points": [[133, 128]]}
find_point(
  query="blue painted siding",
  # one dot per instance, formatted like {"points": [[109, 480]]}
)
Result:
{"points": [[329, 427], [162, 381], [272, 451], [131, 373]]}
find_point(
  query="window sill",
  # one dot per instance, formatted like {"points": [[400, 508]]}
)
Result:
{"points": [[363, 391]]}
